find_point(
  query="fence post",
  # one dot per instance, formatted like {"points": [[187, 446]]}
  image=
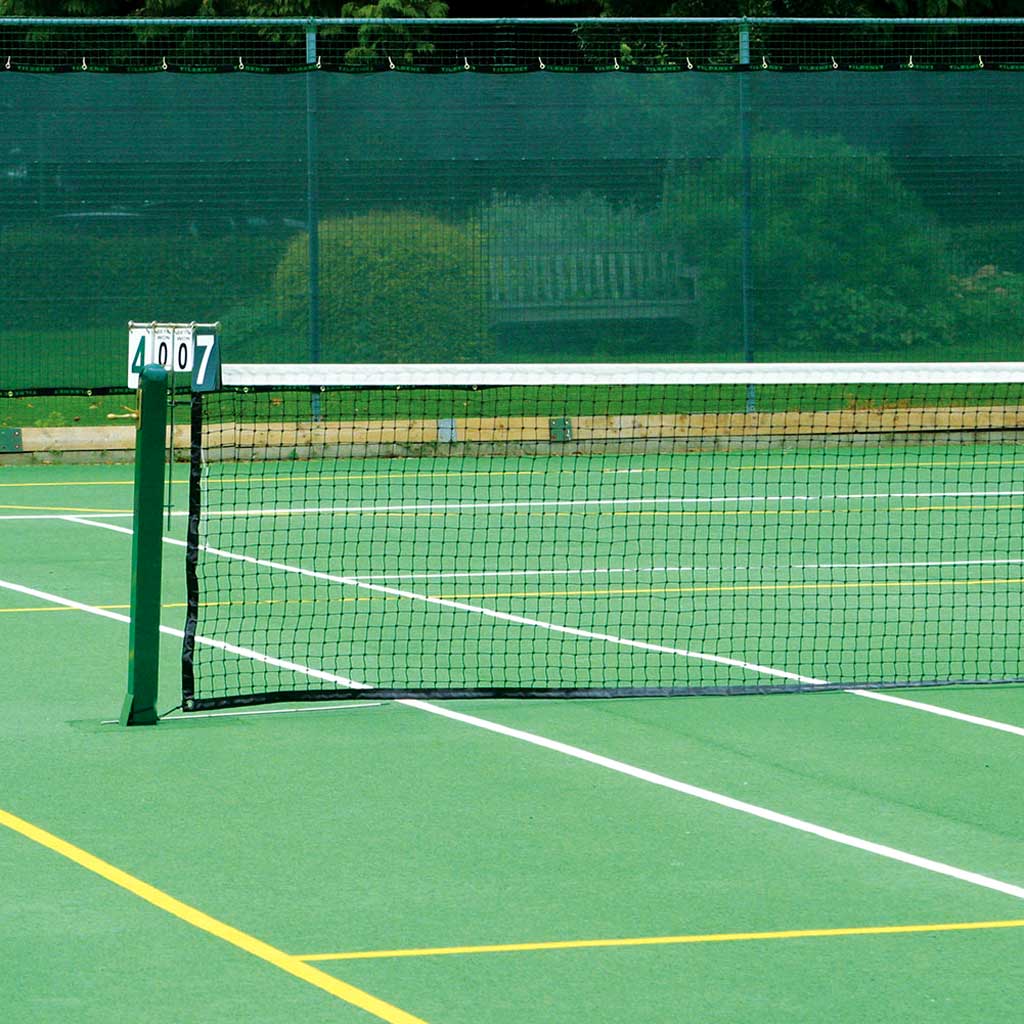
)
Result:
{"points": [[746, 291], [312, 193]]}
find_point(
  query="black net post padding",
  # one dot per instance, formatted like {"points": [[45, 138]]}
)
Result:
{"points": [[195, 505]]}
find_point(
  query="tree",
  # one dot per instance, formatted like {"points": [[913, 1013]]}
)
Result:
{"points": [[843, 256], [395, 286]]}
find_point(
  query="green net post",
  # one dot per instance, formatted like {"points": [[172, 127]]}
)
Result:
{"points": [[139, 706]]}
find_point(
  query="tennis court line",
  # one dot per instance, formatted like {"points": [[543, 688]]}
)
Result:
{"points": [[203, 922], [565, 507], [242, 652], [662, 940], [721, 800], [935, 709], [454, 506], [597, 759], [633, 570], [57, 508], [313, 673], [750, 666], [837, 465], [745, 588], [475, 609]]}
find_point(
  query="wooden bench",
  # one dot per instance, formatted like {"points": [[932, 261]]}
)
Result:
{"points": [[633, 285]]}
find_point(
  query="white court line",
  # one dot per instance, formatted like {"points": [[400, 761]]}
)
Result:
{"points": [[640, 570], [749, 666], [470, 506], [244, 652], [491, 613], [935, 709], [765, 814], [521, 620], [496, 573], [721, 800], [255, 712], [462, 506]]}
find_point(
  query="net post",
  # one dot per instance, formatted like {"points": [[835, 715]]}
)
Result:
{"points": [[139, 707]]}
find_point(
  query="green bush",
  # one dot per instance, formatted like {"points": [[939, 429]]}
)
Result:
{"points": [[395, 286], [1000, 245], [844, 258], [988, 310], [58, 276]]}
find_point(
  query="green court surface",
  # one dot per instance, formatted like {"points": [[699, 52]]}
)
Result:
{"points": [[762, 859]]}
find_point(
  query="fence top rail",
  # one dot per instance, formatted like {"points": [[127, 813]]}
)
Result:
{"points": [[492, 22]]}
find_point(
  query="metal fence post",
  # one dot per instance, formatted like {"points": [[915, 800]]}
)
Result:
{"points": [[746, 291], [312, 194]]}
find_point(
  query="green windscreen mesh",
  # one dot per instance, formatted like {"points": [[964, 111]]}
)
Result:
{"points": [[535, 217]]}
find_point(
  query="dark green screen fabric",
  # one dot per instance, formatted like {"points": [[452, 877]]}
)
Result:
{"points": [[502, 218]]}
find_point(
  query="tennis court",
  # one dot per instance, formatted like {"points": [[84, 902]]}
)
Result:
{"points": [[758, 858], [514, 365]]}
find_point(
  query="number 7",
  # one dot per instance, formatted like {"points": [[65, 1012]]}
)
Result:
{"points": [[206, 368]]}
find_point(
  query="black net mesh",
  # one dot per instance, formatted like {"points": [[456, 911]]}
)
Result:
{"points": [[603, 539]]}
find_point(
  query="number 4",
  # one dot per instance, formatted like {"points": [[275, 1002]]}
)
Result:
{"points": [[139, 359]]}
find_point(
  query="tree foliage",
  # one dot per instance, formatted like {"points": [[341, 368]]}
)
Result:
{"points": [[514, 8], [845, 252], [395, 285]]}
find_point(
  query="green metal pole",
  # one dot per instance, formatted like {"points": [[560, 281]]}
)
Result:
{"points": [[139, 706], [746, 261]]}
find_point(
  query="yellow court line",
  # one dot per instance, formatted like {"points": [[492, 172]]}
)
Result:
{"points": [[594, 592], [190, 915], [960, 463], [73, 483], [665, 940], [293, 477], [61, 508]]}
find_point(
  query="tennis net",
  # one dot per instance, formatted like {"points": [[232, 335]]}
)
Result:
{"points": [[601, 530]]}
